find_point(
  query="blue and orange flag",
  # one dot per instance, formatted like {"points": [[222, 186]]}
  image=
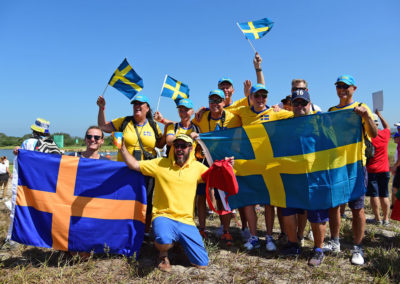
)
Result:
{"points": [[126, 80], [174, 89], [77, 204], [256, 29], [310, 162]]}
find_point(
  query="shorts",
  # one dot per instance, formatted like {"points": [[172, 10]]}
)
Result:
{"points": [[292, 211], [378, 184], [396, 179], [201, 189], [4, 177], [358, 203], [168, 231], [314, 216]]}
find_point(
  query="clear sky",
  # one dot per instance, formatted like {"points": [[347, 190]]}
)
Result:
{"points": [[56, 57]]}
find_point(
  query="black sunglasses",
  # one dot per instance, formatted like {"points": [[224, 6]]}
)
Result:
{"points": [[89, 137], [263, 95], [182, 146], [295, 89], [215, 101], [300, 102], [343, 86]]}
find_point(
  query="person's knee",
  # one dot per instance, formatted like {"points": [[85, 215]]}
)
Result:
{"points": [[163, 247]]}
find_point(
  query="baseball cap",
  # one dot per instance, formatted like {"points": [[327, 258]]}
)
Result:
{"points": [[41, 125], [396, 135], [397, 124], [183, 137], [257, 88], [347, 79], [140, 98], [217, 92], [185, 102], [375, 118], [225, 79], [302, 94]]}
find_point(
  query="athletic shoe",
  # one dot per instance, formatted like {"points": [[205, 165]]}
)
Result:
{"points": [[317, 258], [227, 238], [291, 250], [245, 234], [385, 223], [374, 222], [357, 256], [332, 246], [270, 245], [252, 243], [282, 239]]}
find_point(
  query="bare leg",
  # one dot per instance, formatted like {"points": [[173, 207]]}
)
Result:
{"points": [[280, 219], [251, 217], [243, 217], [269, 218], [358, 225], [385, 204], [301, 224], [334, 221], [225, 219], [375, 207], [201, 210], [318, 230], [290, 223]]}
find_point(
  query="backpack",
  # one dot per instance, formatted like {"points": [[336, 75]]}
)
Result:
{"points": [[130, 118], [47, 145]]}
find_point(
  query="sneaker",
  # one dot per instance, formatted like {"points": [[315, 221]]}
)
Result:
{"points": [[357, 256], [374, 221], [245, 234], [270, 245], [331, 246], [203, 233], [163, 264], [252, 243], [220, 231], [282, 239], [10, 245], [385, 223], [227, 238], [291, 250], [317, 258]]}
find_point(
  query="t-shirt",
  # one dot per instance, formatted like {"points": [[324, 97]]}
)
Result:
{"points": [[380, 162], [170, 130], [175, 187], [3, 168], [207, 123], [79, 154], [245, 101], [29, 144], [351, 106], [249, 116], [146, 133]]}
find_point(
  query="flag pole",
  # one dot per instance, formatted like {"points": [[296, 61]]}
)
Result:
{"points": [[162, 87], [255, 51], [104, 90]]}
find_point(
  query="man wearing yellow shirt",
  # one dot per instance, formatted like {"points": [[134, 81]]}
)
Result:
{"points": [[345, 88], [176, 179]]}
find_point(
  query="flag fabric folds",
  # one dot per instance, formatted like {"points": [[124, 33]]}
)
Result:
{"points": [[310, 162], [77, 204], [174, 89], [126, 80], [256, 29]]}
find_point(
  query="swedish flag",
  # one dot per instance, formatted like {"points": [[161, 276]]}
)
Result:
{"points": [[256, 29], [174, 89], [126, 80], [310, 162]]}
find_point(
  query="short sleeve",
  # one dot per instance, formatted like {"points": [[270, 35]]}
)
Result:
{"points": [[116, 123], [170, 129], [149, 167]]}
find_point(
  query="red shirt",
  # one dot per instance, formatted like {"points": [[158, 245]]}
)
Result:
{"points": [[380, 162]]}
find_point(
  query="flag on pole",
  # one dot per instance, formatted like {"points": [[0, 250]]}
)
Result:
{"points": [[318, 167], [256, 29], [174, 89], [77, 204], [126, 80]]}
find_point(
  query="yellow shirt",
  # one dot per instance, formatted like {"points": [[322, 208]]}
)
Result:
{"points": [[175, 187], [207, 125], [146, 133], [351, 106], [249, 116], [170, 130], [239, 103]]}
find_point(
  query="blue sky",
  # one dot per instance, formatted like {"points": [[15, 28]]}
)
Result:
{"points": [[56, 57]]}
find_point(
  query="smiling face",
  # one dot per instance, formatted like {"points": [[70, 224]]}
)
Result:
{"points": [[140, 109], [185, 113], [345, 93], [216, 103], [94, 139], [259, 100], [227, 88], [181, 151], [301, 107]]}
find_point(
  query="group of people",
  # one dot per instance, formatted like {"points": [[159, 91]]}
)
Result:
{"points": [[174, 182]]}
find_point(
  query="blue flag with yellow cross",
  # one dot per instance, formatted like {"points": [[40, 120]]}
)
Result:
{"points": [[77, 204], [309, 162], [256, 29], [174, 89], [126, 80]]}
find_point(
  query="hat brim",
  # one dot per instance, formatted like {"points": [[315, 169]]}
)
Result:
{"points": [[36, 128]]}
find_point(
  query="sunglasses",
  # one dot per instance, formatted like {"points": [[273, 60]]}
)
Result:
{"points": [[89, 137], [344, 87], [263, 95], [295, 89], [300, 102], [215, 101], [138, 103], [182, 146]]}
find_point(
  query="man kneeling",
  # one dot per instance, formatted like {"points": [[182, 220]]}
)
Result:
{"points": [[176, 179]]}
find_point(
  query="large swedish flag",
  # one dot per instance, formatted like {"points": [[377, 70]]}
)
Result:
{"points": [[256, 29], [174, 89], [126, 80], [310, 162], [76, 204]]}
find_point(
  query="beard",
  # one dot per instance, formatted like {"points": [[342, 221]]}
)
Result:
{"points": [[180, 160]]}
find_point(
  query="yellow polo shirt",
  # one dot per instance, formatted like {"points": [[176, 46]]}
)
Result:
{"points": [[249, 116], [239, 103], [175, 187], [208, 125]]}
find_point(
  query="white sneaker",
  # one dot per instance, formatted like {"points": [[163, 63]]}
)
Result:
{"points": [[245, 234], [252, 243], [270, 245], [331, 246], [357, 256]]}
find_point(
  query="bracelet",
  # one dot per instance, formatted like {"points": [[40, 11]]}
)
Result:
{"points": [[258, 69], [162, 120]]}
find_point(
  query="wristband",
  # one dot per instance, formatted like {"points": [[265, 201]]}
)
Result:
{"points": [[258, 69], [162, 120]]}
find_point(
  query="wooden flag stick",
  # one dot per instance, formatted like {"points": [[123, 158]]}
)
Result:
{"points": [[255, 51], [162, 87], [104, 90]]}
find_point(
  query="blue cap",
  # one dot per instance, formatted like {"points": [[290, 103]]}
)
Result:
{"points": [[347, 79], [140, 98], [396, 135], [257, 88], [185, 103], [217, 92], [302, 94], [225, 79]]}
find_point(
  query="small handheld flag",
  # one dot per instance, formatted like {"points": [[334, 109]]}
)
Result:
{"points": [[174, 89], [256, 29], [126, 80]]}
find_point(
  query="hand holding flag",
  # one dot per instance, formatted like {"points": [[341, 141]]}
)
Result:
{"points": [[174, 89], [255, 29]]}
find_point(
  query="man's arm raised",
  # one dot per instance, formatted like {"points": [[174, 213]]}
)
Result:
{"points": [[130, 161]]}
